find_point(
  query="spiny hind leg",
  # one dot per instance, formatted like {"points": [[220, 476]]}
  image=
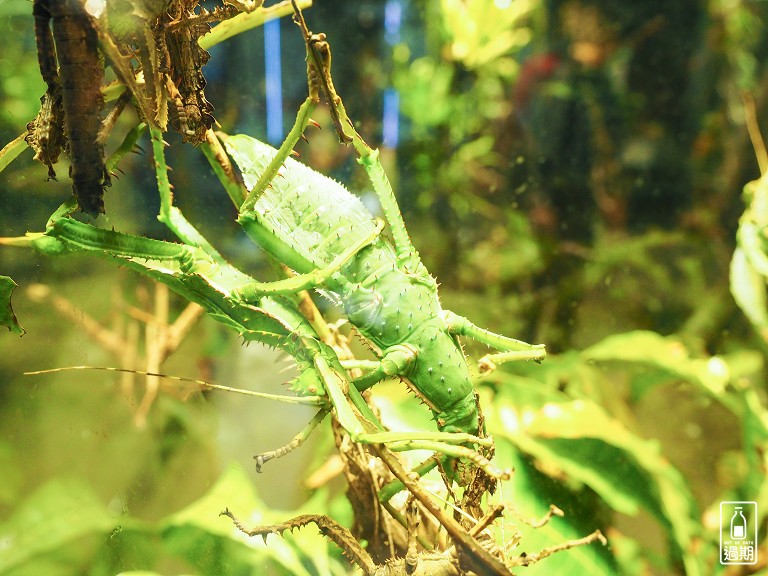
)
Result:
{"points": [[255, 290]]}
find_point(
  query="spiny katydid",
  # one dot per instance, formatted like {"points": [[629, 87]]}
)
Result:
{"points": [[198, 272], [321, 231], [304, 220]]}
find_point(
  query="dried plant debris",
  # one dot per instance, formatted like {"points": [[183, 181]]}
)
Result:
{"points": [[154, 49], [416, 562], [191, 113], [70, 114], [152, 46]]}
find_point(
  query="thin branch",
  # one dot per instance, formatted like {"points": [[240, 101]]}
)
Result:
{"points": [[528, 559], [753, 127]]}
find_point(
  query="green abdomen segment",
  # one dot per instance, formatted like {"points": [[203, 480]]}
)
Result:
{"points": [[440, 373]]}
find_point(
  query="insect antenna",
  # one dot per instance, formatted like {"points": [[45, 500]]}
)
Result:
{"points": [[309, 400]]}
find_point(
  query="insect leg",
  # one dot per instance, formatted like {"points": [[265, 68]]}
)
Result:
{"points": [[187, 270], [319, 71], [296, 131], [366, 428], [510, 349], [395, 361], [396, 486], [169, 214], [311, 279], [447, 449], [128, 145], [448, 443], [295, 442], [222, 167], [407, 256]]}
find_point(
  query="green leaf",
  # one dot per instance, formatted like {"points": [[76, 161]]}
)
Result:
{"points": [[142, 573], [7, 317], [247, 20], [57, 518], [534, 492], [11, 150], [209, 541], [663, 353], [578, 439], [750, 241], [749, 291]]}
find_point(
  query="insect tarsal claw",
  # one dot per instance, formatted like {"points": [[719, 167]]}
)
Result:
{"points": [[486, 365], [260, 460]]}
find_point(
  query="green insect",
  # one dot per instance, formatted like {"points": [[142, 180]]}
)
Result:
{"points": [[325, 234], [195, 270], [317, 228], [306, 219]]}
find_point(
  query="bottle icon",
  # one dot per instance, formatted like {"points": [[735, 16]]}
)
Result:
{"points": [[738, 524]]}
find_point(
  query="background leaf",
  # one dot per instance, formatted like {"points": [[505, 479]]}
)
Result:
{"points": [[7, 317]]}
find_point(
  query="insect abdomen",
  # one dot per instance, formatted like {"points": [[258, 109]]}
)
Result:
{"points": [[441, 374]]}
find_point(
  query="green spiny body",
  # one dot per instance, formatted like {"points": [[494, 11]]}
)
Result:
{"points": [[191, 271], [305, 220]]}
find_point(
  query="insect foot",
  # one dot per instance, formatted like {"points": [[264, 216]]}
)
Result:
{"points": [[295, 442], [486, 365]]}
